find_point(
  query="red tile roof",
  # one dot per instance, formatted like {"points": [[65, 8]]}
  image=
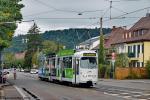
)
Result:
{"points": [[143, 23], [116, 36]]}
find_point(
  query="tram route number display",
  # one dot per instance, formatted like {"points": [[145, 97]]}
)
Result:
{"points": [[89, 54]]}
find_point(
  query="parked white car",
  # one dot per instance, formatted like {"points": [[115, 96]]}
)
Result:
{"points": [[34, 71]]}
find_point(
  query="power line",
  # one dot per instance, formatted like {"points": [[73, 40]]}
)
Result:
{"points": [[61, 10], [132, 12], [39, 13], [122, 16], [64, 18]]}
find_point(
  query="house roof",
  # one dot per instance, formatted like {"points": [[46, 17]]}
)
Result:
{"points": [[143, 23], [117, 34], [114, 37]]}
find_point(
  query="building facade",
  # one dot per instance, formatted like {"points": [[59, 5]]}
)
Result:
{"points": [[136, 43]]}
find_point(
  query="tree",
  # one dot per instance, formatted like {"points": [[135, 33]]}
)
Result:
{"points": [[9, 12], [34, 44], [11, 61], [101, 50], [122, 60], [51, 47], [35, 59], [148, 68]]}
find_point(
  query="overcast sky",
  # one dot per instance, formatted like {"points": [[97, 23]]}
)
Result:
{"points": [[62, 14]]}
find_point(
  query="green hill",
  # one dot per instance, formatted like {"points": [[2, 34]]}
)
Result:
{"points": [[68, 37]]}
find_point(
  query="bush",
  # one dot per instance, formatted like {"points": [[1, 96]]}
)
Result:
{"points": [[148, 68], [108, 71], [102, 70]]}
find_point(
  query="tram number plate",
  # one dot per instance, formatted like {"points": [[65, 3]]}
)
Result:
{"points": [[89, 54]]}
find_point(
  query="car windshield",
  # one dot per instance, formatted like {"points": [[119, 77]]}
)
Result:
{"points": [[88, 62]]}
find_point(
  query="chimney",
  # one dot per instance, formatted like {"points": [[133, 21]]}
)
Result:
{"points": [[125, 27], [148, 15], [114, 27]]}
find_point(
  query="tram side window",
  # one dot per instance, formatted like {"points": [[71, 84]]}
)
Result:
{"points": [[53, 63], [67, 62], [47, 61], [58, 61]]}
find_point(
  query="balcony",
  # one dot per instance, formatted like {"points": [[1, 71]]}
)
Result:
{"points": [[131, 55]]}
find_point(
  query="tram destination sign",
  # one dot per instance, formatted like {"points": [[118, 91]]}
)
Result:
{"points": [[89, 54]]}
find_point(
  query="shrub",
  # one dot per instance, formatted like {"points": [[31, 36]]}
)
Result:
{"points": [[102, 70], [108, 71], [148, 68]]}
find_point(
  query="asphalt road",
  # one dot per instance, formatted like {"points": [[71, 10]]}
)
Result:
{"points": [[40, 90]]}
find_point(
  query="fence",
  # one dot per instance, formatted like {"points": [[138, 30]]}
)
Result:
{"points": [[130, 73]]}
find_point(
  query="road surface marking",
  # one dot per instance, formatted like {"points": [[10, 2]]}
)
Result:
{"points": [[20, 91], [136, 92], [146, 94], [126, 97], [124, 93], [137, 95], [2, 94]]}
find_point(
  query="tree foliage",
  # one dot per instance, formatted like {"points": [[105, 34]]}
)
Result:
{"points": [[33, 45], [11, 61], [148, 68], [9, 12], [101, 50], [122, 60], [51, 47]]}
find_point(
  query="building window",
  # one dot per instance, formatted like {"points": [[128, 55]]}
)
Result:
{"points": [[134, 49], [132, 35], [140, 32], [129, 49], [142, 48], [138, 64], [142, 64], [138, 50]]}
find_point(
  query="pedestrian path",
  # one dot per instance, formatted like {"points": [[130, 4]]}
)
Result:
{"points": [[11, 92]]}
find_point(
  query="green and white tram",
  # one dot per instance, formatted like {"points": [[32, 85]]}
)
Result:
{"points": [[74, 67]]}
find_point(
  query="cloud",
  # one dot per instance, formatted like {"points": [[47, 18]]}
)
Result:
{"points": [[33, 9]]}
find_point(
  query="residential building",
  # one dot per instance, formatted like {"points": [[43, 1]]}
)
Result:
{"points": [[91, 43], [136, 42]]}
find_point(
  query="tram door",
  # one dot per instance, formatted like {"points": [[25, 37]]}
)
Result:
{"points": [[76, 68]]}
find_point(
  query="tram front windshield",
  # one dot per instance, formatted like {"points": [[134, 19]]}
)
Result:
{"points": [[88, 62]]}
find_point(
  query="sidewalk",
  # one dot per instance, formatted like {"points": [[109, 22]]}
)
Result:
{"points": [[142, 84], [9, 92]]}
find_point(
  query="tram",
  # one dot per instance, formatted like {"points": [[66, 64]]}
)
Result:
{"points": [[78, 67]]}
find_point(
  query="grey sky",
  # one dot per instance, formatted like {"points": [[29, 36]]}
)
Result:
{"points": [[39, 9]]}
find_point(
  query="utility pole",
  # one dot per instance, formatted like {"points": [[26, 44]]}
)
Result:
{"points": [[110, 8], [101, 27]]}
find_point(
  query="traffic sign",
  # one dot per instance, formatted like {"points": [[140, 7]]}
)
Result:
{"points": [[113, 56]]}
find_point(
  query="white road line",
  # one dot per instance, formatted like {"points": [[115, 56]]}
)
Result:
{"points": [[146, 94], [2, 94], [126, 97], [124, 93], [136, 92], [21, 93], [111, 94], [137, 95]]}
